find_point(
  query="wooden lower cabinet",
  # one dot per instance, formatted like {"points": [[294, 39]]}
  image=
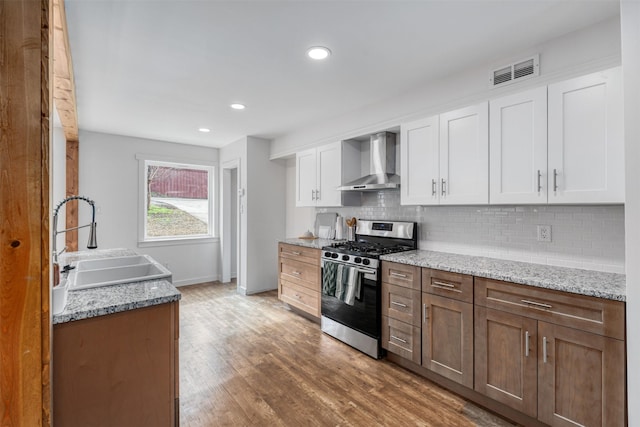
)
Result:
{"points": [[119, 369], [581, 378], [401, 338], [447, 338], [299, 282], [505, 359]]}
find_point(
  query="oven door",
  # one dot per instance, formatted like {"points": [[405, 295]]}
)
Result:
{"points": [[364, 315]]}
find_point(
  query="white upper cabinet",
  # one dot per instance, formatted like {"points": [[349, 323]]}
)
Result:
{"points": [[586, 147], [320, 171], [419, 162], [464, 156], [518, 148]]}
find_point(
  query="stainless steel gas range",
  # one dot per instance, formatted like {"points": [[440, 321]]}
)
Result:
{"points": [[351, 282]]}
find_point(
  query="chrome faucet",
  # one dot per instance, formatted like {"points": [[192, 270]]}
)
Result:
{"points": [[92, 244]]}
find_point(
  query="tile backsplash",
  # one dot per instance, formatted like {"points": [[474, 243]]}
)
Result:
{"points": [[590, 237]]}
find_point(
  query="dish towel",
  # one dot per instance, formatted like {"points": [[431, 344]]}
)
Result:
{"points": [[351, 285], [329, 273], [341, 281]]}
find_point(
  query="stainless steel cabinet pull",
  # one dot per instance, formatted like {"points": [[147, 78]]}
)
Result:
{"points": [[424, 313], [313, 194], [555, 180], [317, 194], [443, 187], [394, 274], [296, 253], [446, 285], [297, 273], [544, 349], [539, 182], [433, 187], [537, 304], [399, 304], [526, 343], [399, 339]]}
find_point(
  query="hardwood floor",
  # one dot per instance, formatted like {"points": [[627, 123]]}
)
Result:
{"points": [[250, 361]]}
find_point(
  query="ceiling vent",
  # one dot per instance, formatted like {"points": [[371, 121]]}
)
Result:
{"points": [[517, 71]]}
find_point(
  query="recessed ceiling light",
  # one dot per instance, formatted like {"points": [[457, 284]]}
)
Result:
{"points": [[204, 130], [318, 52], [238, 106]]}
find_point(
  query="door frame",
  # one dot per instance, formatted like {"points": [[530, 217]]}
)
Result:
{"points": [[226, 232]]}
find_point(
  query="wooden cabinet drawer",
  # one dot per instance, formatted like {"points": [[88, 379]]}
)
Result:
{"points": [[299, 253], [450, 285], [299, 272], [401, 303], [597, 315], [403, 275], [401, 338], [300, 297]]}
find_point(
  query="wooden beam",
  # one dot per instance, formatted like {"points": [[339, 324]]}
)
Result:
{"points": [[25, 276], [64, 92], [71, 237]]}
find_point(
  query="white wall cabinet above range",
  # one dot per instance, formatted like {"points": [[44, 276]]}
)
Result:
{"points": [[586, 141], [518, 148], [561, 144], [320, 171], [444, 159]]}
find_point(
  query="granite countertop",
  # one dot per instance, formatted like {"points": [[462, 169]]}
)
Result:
{"points": [[93, 302], [584, 282], [310, 243]]}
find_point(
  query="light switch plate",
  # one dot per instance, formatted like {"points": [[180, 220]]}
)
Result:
{"points": [[544, 233]]}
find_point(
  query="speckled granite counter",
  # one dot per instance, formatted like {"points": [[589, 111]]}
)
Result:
{"points": [[94, 302], [584, 282], [308, 243]]}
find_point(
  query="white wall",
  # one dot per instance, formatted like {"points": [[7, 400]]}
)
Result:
{"points": [[59, 175], [581, 52], [630, 16], [109, 176], [233, 212]]}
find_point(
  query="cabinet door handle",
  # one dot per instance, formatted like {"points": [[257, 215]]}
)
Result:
{"points": [[399, 304], [437, 284], [544, 349], [399, 339], [394, 274], [539, 181], [537, 304], [433, 187], [443, 187], [424, 313], [555, 180], [317, 194], [526, 344], [313, 194]]}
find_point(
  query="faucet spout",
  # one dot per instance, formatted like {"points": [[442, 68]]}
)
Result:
{"points": [[93, 242]]}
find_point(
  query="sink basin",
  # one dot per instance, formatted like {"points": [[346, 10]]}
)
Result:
{"points": [[95, 264], [114, 271]]}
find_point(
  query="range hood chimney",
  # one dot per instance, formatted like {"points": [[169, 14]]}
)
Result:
{"points": [[382, 166]]}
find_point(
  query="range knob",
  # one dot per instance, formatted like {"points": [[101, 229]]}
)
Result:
{"points": [[358, 260], [327, 254], [366, 261], [345, 257], [334, 255]]}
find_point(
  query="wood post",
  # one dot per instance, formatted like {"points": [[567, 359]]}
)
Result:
{"points": [[25, 102]]}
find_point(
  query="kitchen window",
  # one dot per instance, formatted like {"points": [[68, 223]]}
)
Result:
{"points": [[176, 203]]}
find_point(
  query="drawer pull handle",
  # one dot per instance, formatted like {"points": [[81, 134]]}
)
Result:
{"points": [[537, 304], [526, 344], [424, 313], [443, 284], [544, 349], [296, 253], [399, 304], [297, 273], [399, 339], [394, 274]]}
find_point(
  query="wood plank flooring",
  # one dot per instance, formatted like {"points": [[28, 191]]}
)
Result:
{"points": [[250, 361]]}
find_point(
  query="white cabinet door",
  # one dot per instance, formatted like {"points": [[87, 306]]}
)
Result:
{"points": [[464, 156], [419, 162], [329, 176], [586, 148], [306, 178], [518, 148]]}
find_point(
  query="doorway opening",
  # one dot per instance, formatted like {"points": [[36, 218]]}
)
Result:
{"points": [[230, 237]]}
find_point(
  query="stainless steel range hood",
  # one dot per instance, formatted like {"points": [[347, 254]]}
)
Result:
{"points": [[383, 166]]}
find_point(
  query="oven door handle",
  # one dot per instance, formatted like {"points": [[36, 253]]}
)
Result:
{"points": [[366, 271]]}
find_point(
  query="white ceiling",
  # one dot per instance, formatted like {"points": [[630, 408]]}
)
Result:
{"points": [[162, 69]]}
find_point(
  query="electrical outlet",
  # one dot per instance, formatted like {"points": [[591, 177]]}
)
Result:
{"points": [[544, 233]]}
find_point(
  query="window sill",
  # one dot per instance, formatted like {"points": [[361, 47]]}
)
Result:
{"points": [[178, 241]]}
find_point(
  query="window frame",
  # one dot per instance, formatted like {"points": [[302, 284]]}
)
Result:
{"points": [[145, 160]]}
